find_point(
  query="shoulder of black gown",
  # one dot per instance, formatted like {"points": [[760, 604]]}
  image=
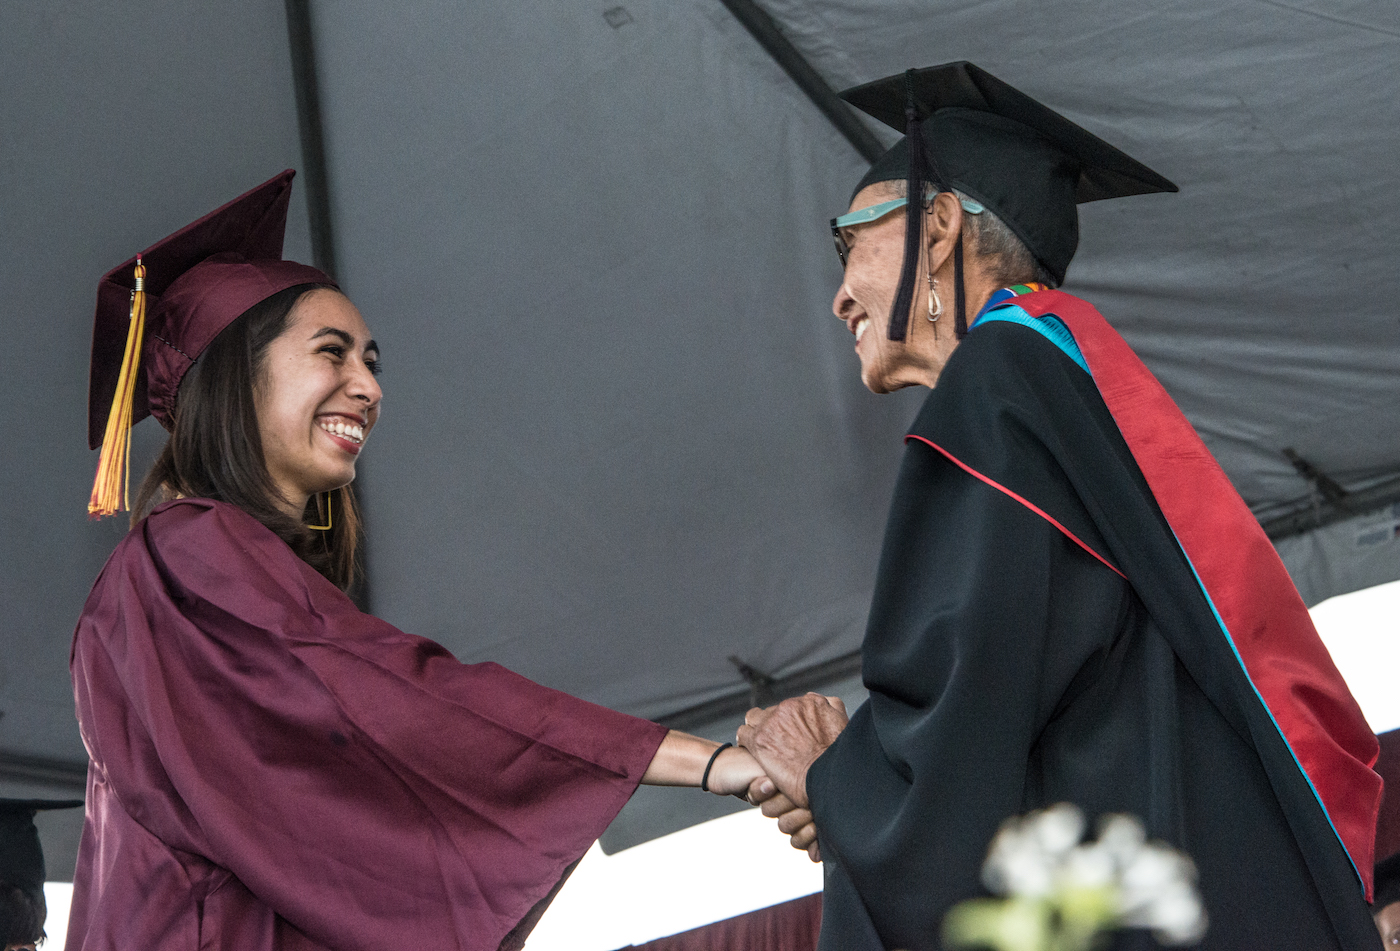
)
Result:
{"points": [[1017, 410]]}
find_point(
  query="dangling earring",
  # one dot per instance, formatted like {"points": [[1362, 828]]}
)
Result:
{"points": [[933, 298], [326, 527]]}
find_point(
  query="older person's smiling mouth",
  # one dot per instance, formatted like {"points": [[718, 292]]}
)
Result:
{"points": [[861, 326]]}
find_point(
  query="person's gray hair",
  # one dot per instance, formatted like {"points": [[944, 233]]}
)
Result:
{"points": [[1010, 260], [1014, 262]]}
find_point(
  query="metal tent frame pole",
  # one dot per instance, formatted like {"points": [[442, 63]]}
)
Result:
{"points": [[43, 771], [761, 26]]}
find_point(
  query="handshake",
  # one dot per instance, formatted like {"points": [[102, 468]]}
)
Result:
{"points": [[776, 746]]}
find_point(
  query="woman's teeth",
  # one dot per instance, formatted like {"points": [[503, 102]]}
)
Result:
{"points": [[861, 328], [348, 431]]}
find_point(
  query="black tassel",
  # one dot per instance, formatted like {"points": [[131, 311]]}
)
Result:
{"points": [[913, 217], [923, 171], [959, 298]]}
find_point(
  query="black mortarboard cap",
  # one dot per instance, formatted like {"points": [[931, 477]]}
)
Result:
{"points": [[1026, 163], [21, 858]]}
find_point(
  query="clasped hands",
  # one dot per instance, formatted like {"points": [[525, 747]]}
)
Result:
{"points": [[786, 740]]}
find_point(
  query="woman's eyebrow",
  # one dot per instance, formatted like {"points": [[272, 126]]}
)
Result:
{"points": [[345, 338], [372, 345]]}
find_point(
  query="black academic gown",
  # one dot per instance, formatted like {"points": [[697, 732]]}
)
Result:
{"points": [[1010, 668]]}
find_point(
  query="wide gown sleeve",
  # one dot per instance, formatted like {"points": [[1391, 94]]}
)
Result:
{"points": [[983, 616], [361, 782]]}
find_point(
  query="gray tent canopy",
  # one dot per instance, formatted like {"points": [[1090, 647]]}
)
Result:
{"points": [[624, 449]]}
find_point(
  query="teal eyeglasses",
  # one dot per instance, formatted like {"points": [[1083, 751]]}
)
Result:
{"points": [[876, 212]]}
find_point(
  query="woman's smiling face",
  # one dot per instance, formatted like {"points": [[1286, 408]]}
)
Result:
{"points": [[317, 398]]}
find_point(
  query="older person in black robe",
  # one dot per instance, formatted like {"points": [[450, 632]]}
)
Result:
{"points": [[1072, 604], [22, 906]]}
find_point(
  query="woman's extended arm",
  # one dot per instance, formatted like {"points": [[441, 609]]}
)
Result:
{"points": [[682, 758]]}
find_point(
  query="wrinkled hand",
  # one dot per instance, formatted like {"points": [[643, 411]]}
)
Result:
{"points": [[796, 823], [786, 740]]}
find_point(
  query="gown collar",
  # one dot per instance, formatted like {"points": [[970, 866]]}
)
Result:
{"points": [[1005, 294]]}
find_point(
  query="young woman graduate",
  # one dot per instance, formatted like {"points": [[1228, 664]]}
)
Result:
{"points": [[271, 767]]}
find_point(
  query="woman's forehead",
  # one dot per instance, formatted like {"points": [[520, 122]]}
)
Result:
{"points": [[324, 308]]}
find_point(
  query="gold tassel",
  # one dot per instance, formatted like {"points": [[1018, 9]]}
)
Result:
{"points": [[326, 527], [112, 488]]}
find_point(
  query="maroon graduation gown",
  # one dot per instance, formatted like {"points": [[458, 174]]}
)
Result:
{"points": [[272, 768]]}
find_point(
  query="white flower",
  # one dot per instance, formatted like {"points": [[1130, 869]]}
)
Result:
{"points": [[1017, 866], [1027, 853], [1120, 880], [1121, 836], [1058, 829], [1158, 891], [1088, 866], [1178, 917]]}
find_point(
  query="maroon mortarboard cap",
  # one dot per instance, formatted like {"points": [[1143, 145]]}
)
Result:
{"points": [[197, 282]]}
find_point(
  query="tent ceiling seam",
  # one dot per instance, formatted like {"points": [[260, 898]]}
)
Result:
{"points": [[313, 139], [1310, 513], [762, 28], [763, 690]]}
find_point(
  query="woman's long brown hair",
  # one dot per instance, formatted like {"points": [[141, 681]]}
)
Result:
{"points": [[215, 451]]}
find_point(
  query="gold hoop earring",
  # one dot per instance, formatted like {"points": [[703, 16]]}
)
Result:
{"points": [[933, 298], [326, 527]]}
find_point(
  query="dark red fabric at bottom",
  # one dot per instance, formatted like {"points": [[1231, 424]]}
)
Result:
{"points": [[791, 926]]}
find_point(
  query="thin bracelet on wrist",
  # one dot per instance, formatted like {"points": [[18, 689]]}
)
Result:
{"points": [[705, 778]]}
